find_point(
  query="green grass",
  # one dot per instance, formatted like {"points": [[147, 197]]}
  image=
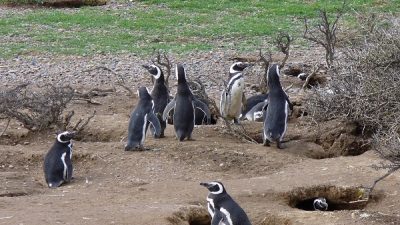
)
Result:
{"points": [[178, 26]]}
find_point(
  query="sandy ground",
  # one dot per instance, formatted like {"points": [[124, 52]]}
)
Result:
{"points": [[161, 186]]}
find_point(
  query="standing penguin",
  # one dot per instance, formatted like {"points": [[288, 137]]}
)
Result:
{"points": [[142, 114], [184, 105], [58, 161], [160, 94], [222, 208], [276, 116], [232, 97]]}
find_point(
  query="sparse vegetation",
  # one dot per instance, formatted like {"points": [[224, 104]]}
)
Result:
{"points": [[37, 108], [364, 89]]}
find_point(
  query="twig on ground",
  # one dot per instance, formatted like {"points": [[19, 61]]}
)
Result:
{"points": [[4, 131]]}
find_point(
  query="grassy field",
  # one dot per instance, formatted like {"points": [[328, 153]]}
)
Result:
{"points": [[175, 25]]}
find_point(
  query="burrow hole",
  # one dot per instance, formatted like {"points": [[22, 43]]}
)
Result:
{"points": [[191, 215], [338, 198]]}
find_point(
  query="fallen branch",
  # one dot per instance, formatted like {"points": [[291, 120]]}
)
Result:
{"points": [[79, 126], [4, 131], [95, 92], [315, 70], [120, 82]]}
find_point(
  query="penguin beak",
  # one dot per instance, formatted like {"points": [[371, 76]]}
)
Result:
{"points": [[146, 67], [207, 185]]}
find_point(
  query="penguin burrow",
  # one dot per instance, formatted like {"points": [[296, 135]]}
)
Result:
{"points": [[277, 109], [138, 123], [160, 95], [58, 161], [184, 104], [232, 97], [222, 208]]}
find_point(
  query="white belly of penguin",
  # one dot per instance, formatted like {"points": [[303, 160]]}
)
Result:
{"points": [[233, 102]]}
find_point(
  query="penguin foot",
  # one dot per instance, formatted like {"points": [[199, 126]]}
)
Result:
{"points": [[236, 121], [266, 143], [190, 139], [279, 145]]}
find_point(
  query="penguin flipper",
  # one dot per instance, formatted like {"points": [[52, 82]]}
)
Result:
{"points": [[168, 108], [203, 107], [288, 101], [152, 118], [244, 101]]}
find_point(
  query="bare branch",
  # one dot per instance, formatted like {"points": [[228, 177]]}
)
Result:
{"points": [[283, 41], [4, 131], [314, 72], [163, 60], [120, 82]]}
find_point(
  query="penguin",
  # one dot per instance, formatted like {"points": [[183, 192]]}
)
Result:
{"points": [[320, 204], [142, 114], [160, 94], [254, 107], [184, 104], [222, 208], [276, 109], [58, 161], [232, 97]]}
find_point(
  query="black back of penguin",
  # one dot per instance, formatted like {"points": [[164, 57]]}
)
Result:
{"points": [[275, 120], [159, 94], [138, 120], [58, 161], [184, 111], [232, 213]]}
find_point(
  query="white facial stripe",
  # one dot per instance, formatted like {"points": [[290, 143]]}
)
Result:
{"points": [[220, 190], [227, 215], [65, 165], [59, 137], [231, 70], [158, 72]]}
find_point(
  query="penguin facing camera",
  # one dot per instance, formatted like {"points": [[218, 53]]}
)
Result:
{"points": [[232, 97], [58, 161], [276, 109], [320, 204], [160, 94], [138, 123], [222, 208], [184, 104]]}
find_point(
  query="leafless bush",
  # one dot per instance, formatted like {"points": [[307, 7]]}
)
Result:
{"points": [[324, 33], [387, 145], [364, 85], [35, 107], [365, 89], [162, 60], [283, 41]]}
